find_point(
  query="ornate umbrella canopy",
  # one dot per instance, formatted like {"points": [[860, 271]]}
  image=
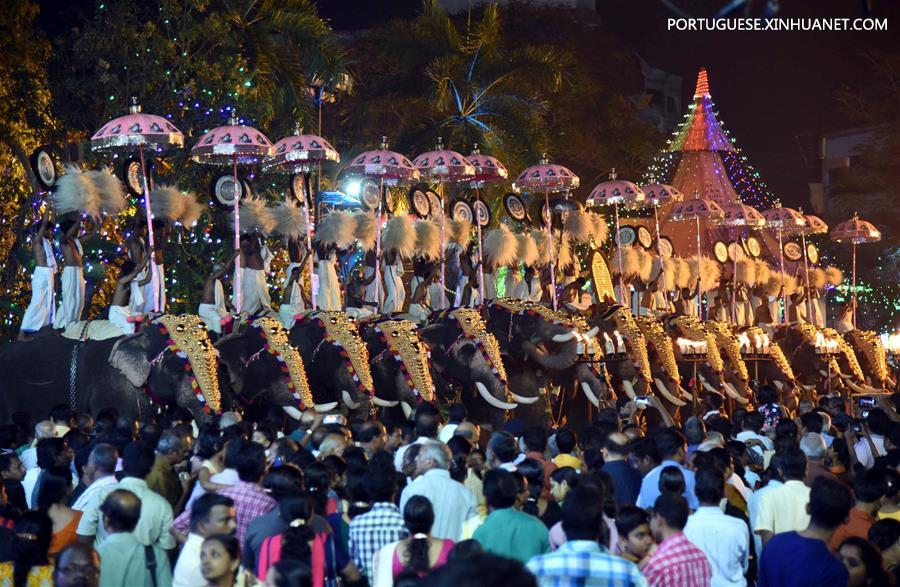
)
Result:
{"points": [[546, 177], [786, 220], [231, 143], [616, 191], [659, 194], [300, 153], [444, 165], [487, 169], [135, 130], [702, 208], [855, 231], [741, 215], [815, 225], [389, 166]]}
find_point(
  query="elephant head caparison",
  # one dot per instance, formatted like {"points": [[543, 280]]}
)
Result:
{"points": [[263, 369], [663, 365], [631, 376], [170, 360], [466, 364], [401, 366], [736, 380], [688, 333], [872, 357], [336, 361]]}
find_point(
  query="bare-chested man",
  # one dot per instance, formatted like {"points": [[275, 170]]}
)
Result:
{"points": [[40, 311], [120, 312], [72, 280], [213, 309], [254, 291]]}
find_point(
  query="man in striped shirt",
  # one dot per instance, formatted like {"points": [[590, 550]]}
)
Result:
{"points": [[677, 561]]}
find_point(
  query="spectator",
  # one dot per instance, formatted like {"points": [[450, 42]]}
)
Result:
{"points": [[547, 511], [535, 440], [783, 509], [869, 488], [229, 475], [211, 515], [646, 457], [795, 559], [419, 553], [63, 418], [12, 472], [77, 566], [155, 517], [567, 443], [456, 414], [615, 462], [503, 451], [672, 448], [453, 503], [280, 482], [751, 433], [372, 437], [470, 431], [56, 487], [124, 560], [207, 462], [889, 506], [676, 562], [220, 559], [51, 452], [383, 524], [885, 535], [813, 446], [724, 540], [863, 563], [635, 536], [99, 472], [582, 560], [172, 452], [872, 444], [43, 429], [694, 433], [31, 565], [561, 482], [506, 531], [427, 421], [482, 569], [671, 481]]}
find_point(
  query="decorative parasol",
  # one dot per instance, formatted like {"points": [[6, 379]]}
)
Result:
{"points": [[616, 192], [739, 216], [389, 168], [659, 194], [549, 178], [235, 144], [488, 170], [697, 209], [855, 232], [140, 131], [300, 154], [785, 221], [814, 225], [444, 166]]}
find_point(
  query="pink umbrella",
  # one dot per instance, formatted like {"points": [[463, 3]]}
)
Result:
{"points": [[784, 221], [737, 216], [444, 166], [390, 168], [613, 193], [140, 131], [487, 170], [233, 144], [300, 154], [549, 178], [696, 209], [855, 232]]}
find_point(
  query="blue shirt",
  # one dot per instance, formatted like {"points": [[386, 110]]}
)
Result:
{"points": [[626, 479], [788, 552], [650, 486], [584, 563]]}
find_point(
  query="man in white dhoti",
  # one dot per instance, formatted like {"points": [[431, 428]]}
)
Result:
{"points": [[153, 282], [369, 274], [212, 309], [40, 310], [394, 292], [292, 302], [254, 292], [120, 312], [358, 283], [72, 304]]}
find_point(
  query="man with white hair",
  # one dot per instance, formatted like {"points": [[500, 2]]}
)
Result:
{"points": [[229, 419], [813, 446], [43, 429], [452, 501]]}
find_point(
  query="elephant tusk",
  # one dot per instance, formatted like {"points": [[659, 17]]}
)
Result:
{"points": [[684, 392], [590, 394], [823, 373], [348, 400], [629, 389], [707, 386], [856, 387], [663, 391], [486, 396], [325, 407], [779, 385], [808, 387], [873, 390], [292, 412], [733, 393], [521, 399], [564, 337], [383, 403], [407, 409]]}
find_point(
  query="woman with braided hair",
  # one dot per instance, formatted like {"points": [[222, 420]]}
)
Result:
{"points": [[419, 554]]}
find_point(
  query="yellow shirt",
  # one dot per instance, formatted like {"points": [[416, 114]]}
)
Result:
{"points": [[38, 577], [889, 515], [567, 460]]}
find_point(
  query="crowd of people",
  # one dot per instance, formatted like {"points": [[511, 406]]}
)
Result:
{"points": [[758, 497]]}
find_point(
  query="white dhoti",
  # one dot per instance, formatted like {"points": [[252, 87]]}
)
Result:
{"points": [[512, 282], [394, 294], [149, 295], [122, 317], [436, 296], [774, 309], [369, 296], [490, 288], [328, 296], [40, 310], [358, 313], [844, 325], [72, 292], [213, 314], [419, 312], [294, 304], [255, 292], [818, 309]]}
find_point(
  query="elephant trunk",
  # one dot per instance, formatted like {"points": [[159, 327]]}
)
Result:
{"points": [[565, 358], [591, 385]]}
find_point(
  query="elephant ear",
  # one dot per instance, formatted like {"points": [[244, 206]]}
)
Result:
{"points": [[131, 356], [231, 347]]}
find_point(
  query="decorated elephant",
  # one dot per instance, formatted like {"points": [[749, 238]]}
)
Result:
{"points": [[872, 357], [401, 366], [466, 364], [736, 381], [663, 365], [170, 361], [697, 352]]}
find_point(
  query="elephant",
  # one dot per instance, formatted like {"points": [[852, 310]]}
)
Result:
{"points": [[770, 365], [736, 375], [872, 357], [663, 366], [631, 372], [163, 362], [709, 366], [400, 365], [466, 364]]}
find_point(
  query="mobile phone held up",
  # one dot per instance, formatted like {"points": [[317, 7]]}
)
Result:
{"points": [[642, 401]]}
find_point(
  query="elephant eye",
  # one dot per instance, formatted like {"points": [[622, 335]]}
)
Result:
{"points": [[395, 333], [334, 320], [180, 328]]}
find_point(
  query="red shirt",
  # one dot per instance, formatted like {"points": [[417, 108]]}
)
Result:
{"points": [[678, 563], [858, 525]]}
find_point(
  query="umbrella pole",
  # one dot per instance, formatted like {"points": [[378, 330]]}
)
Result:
{"points": [[378, 247], [549, 221], [312, 272], [783, 297], [854, 284], [480, 269], [443, 284], [809, 311], [237, 240], [154, 274], [699, 278], [619, 255], [661, 279], [734, 286]]}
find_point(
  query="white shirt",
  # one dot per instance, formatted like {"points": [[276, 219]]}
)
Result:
{"points": [[753, 510], [864, 450], [29, 458], [746, 435], [783, 509], [153, 526], [452, 501], [398, 456], [725, 541], [91, 495], [226, 477], [447, 432], [187, 568]]}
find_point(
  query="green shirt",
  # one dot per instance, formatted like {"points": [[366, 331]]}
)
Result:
{"points": [[513, 534], [123, 561]]}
